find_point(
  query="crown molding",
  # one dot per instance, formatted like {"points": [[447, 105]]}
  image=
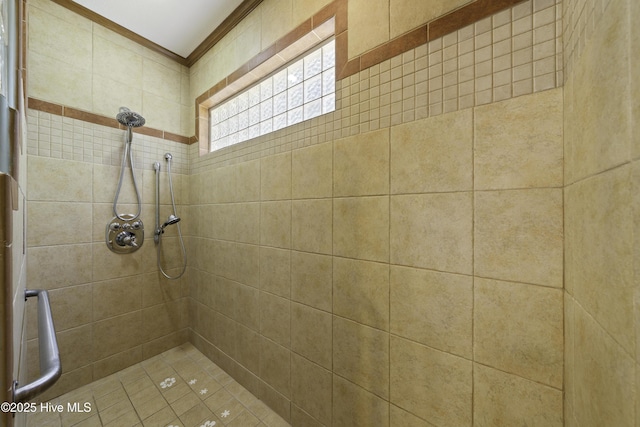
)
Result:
{"points": [[245, 8]]}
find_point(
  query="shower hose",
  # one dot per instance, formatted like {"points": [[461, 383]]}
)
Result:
{"points": [[173, 204], [127, 154]]}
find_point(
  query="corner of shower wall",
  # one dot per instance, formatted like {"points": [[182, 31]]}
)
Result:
{"points": [[320, 260], [111, 311], [602, 160]]}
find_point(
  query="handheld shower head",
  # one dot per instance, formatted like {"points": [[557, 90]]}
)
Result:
{"points": [[130, 119], [170, 221]]}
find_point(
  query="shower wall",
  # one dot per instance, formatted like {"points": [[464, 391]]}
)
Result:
{"points": [[371, 23], [110, 310], [398, 261], [323, 255], [77, 63], [271, 20], [602, 211]]}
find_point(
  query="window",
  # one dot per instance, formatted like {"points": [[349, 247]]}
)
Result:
{"points": [[302, 90]]}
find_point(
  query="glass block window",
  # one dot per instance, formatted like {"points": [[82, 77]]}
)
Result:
{"points": [[302, 90]]}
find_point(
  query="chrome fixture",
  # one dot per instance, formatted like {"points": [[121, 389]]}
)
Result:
{"points": [[125, 232], [171, 220], [130, 119], [50, 365]]}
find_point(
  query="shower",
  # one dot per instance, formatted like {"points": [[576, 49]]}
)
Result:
{"points": [[171, 220], [125, 232], [130, 119]]}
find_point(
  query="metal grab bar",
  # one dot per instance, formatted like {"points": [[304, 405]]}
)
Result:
{"points": [[50, 367]]}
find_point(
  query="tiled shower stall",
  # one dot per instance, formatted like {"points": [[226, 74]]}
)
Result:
{"points": [[454, 245]]}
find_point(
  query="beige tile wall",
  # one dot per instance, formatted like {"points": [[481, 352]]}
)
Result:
{"points": [[601, 211], [515, 52], [64, 138], [371, 24], [80, 64], [379, 254], [318, 248], [374, 248], [267, 23], [110, 311]]}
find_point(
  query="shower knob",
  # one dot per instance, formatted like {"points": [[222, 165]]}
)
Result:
{"points": [[124, 234], [126, 239]]}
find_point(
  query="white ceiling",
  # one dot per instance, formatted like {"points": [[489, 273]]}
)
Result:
{"points": [[177, 25]]}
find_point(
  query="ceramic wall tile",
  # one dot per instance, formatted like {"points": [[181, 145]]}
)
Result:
{"points": [[518, 329], [518, 235], [518, 142], [361, 354], [432, 231], [433, 154], [504, 399], [361, 292], [432, 308], [361, 228], [434, 385]]}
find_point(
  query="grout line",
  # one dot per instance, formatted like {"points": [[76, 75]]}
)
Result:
{"points": [[473, 263]]}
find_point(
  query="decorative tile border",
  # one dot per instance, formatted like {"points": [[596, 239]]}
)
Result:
{"points": [[73, 113], [515, 52], [439, 27], [51, 134], [345, 67], [462, 19]]}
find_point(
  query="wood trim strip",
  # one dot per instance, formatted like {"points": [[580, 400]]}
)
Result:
{"points": [[467, 15], [47, 107], [271, 52], [345, 67], [85, 116], [176, 138], [294, 35], [326, 13], [342, 52], [263, 56], [74, 113], [453, 21], [439, 27], [274, 52]]}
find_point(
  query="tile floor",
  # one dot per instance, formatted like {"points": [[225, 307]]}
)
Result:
{"points": [[178, 388]]}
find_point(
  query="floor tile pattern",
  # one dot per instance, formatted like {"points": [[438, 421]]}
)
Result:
{"points": [[178, 388]]}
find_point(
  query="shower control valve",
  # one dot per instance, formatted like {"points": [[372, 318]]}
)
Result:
{"points": [[125, 234], [126, 239]]}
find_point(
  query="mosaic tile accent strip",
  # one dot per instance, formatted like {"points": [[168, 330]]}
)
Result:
{"points": [[55, 136], [515, 52]]}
